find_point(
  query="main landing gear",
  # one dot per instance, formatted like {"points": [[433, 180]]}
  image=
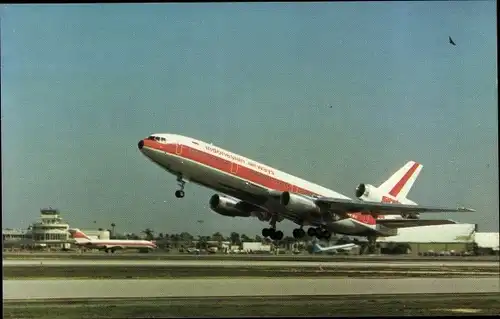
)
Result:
{"points": [[319, 232], [272, 232], [180, 193], [370, 247]]}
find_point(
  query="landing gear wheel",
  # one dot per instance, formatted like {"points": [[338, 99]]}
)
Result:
{"points": [[372, 245], [272, 233], [179, 194], [319, 233], [311, 232], [266, 232], [277, 235], [298, 233], [325, 234]]}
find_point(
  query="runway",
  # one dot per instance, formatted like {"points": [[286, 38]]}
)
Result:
{"points": [[248, 263], [146, 288], [124, 255]]}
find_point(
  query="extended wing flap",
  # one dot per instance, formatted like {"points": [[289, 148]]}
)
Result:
{"points": [[372, 208], [404, 223]]}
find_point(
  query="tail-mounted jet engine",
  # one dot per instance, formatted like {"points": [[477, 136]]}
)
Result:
{"points": [[368, 192]]}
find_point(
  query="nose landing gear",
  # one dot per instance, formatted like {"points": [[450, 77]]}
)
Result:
{"points": [[180, 193]]}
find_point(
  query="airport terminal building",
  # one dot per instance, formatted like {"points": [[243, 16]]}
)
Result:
{"points": [[487, 243], [16, 237]]}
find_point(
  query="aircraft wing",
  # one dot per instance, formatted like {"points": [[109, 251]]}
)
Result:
{"points": [[373, 208], [404, 223]]}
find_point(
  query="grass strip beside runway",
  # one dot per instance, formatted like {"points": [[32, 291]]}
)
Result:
{"points": [[165, 272], [374, 305]]}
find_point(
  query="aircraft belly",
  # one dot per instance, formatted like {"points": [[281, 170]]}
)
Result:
{"points": [[347, 227]]}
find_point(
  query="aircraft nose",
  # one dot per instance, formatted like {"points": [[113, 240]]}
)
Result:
{"points": [[140, 145]]}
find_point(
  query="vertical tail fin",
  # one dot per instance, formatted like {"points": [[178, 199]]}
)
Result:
{"points": [[78, 235], [401, 182]]}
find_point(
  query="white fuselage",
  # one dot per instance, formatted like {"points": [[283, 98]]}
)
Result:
{"points": [[116, 243]]}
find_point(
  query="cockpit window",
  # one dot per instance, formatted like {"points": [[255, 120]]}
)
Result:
{"points": [[158, 139]]}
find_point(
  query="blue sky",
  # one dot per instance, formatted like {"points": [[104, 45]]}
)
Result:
{"points": [[81, 84]]}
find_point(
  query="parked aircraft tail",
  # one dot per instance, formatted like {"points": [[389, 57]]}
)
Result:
{"points": [[78, 235]]}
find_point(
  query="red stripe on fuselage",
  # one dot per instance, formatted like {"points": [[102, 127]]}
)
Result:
{"points": [[227, 166], [402, 182], [233, 168]]}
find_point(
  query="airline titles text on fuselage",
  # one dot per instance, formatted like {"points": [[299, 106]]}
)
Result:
{"points": [[239, 159]]}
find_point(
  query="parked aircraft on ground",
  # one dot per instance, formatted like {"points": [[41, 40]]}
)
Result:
{"points": [[109, 245], [335, 248]]}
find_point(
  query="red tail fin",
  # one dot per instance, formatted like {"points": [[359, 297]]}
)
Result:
{"points": [[78, 234], [401, 182]]}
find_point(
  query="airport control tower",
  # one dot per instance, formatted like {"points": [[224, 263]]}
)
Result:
{"points": [[50, 231]]}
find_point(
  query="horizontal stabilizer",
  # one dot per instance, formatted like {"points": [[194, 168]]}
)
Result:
{"points": [[404, 223]]}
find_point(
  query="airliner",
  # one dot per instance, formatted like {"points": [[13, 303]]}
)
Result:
{"points": [[247, 188], [109, 245]]}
